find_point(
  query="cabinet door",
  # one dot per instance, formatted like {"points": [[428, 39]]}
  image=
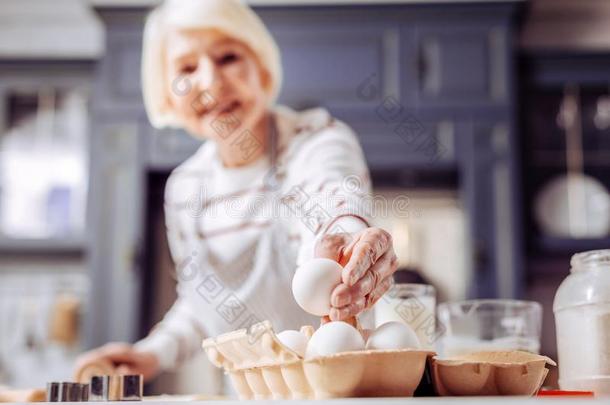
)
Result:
{"points": [[120, 72], [116, 207], [407, 143], [461, 66], [119, 84], [394, 136], [490, 191], [327, 65]]}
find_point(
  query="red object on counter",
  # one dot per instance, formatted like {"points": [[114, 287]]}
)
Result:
{"points": [[560, 393]]}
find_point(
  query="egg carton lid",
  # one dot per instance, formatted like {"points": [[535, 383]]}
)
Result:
{"points": [[257, 346]]}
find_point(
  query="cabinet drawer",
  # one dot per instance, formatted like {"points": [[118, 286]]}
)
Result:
{"points": [[461, 66], [330, 66], [403, 140]]}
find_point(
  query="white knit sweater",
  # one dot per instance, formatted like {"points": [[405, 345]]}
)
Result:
{"points": [[236, 235]]}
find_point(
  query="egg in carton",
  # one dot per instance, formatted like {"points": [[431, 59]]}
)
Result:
{"points": [[261, 367], [490, 373]]}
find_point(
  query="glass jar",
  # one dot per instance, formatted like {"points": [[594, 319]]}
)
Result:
{"points": [[582, 320], [489, 325]]}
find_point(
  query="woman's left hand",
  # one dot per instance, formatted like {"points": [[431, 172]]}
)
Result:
{"points": [[368, 261]]}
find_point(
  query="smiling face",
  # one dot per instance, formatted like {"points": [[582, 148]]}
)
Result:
{"points": [[216, 86]]}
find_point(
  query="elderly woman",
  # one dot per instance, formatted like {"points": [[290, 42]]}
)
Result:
{"points": [[269, 188]]}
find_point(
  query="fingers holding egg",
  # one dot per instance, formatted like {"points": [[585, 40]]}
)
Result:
{"points": [[324, 288], [344, 295], [348, 311], [332, 246], [368, 247], [377, 280], [350, 301], [385, 266], [383, 287]]}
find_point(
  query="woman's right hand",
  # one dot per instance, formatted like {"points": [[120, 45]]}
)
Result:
{"points": [[124, 357]]}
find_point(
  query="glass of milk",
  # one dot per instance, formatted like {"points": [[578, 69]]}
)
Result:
{"points": [[411, 304], [489, 325]]}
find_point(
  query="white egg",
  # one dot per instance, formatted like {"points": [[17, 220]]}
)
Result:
{"points": [[294, 340], [313, 283], [391, 336], [333, 338]]}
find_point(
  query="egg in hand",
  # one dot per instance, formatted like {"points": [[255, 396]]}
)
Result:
{"points": [[313, 284]]}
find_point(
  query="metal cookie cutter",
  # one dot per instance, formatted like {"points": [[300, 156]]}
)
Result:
{"points": [[116, 388], [67, 392]]}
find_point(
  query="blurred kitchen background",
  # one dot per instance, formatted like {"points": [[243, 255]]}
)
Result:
{"points": [[486, 122]]}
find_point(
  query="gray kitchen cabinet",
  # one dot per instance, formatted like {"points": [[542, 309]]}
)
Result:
{"points": [[462, 62], [403, 139], [491, 195], [427, 87], [336, 62], [118, 85], [116, 212], [351, 60]]}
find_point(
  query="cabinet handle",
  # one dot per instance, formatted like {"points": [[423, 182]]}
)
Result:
{"points": [[481, 256], [135, 258], [497, 64], [430, 66]]}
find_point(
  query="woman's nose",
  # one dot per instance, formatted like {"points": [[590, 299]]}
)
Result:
{"points": [[208, 79]]}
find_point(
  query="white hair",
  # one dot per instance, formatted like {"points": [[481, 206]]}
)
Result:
{"points": [[232, 17]]}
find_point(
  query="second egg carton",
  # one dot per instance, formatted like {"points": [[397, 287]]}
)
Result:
{"points": [[490, 373], [261, 367]]}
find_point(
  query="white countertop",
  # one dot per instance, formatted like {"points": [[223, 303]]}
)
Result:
{"points": [[145, 3]]}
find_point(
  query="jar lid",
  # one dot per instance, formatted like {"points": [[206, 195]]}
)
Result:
{"points": [[591, 260], [588, 283]]}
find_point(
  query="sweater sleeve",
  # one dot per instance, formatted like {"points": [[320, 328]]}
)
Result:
{"points": [[328, 186], [178, 336]]}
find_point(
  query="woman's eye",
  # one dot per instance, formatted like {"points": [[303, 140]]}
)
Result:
{"points": [[187, 69], [228, 58]]}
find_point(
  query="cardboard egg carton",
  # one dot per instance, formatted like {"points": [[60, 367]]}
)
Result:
{"points": [[490, 373], [262, 368]]}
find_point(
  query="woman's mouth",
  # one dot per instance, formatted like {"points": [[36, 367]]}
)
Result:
{"points": [[229, 107], [220, 110]]}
